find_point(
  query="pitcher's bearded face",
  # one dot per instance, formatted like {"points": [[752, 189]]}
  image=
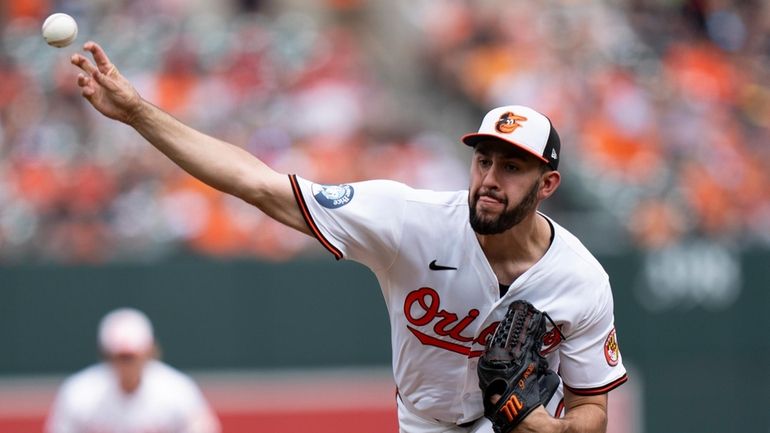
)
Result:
{"points": [[486, 221]]}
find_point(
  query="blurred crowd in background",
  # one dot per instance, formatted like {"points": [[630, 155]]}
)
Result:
{"points": [[663, 108]]}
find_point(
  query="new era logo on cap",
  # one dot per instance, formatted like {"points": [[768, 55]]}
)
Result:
{"points": [[522, 127]]}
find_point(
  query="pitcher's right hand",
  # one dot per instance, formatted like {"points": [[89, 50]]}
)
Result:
{"points": [[104, 87]]}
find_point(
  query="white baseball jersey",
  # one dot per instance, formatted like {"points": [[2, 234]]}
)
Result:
{"points": [[167, 401], [444, 299]]}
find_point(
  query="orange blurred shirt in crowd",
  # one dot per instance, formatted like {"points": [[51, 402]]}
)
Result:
{"points": [[27, 8]]}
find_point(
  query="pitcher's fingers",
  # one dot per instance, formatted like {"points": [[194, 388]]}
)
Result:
{"points": [[100, 57], [83, 80], [82, 63], [105, 81], [88, 92]]}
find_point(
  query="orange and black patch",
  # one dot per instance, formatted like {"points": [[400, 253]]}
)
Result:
{"points": [[611, 349], [508, 122]]}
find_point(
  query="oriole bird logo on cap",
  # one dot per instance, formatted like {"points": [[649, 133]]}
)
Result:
{"points": [[508, 122]]}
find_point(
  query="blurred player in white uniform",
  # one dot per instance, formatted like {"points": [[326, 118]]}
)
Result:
{"points": [[131, 391], [448, 263]]}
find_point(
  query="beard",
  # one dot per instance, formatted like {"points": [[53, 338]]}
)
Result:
{"points": [[509, 217]]}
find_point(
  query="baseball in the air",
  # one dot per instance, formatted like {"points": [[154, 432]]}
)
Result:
{"points": [[59, 30]]}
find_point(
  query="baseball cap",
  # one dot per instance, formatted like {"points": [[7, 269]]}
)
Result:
{"points": [[522, 127], [125, 330]]}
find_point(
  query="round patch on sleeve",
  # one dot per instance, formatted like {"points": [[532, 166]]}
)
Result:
{"points": [[611, 349], [332, 196]]}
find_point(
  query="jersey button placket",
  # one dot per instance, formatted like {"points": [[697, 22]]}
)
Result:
{"points": [[470, 388]]}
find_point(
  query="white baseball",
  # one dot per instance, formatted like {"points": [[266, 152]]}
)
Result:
{"points": [[59, 30]]}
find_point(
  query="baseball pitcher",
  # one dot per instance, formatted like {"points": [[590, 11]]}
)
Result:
{"points": [[501, 320]]}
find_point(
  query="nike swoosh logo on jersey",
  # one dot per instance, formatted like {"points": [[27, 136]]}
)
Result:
{"points": [[434, 267]]}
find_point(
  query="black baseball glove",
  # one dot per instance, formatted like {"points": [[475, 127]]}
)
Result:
{"points": [[513, 368]]}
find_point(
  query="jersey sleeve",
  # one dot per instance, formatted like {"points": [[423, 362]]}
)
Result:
{"points": [[361, 221], [590, 360], [61, 417], [199, 417]]}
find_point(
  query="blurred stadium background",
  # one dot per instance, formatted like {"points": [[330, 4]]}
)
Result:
{"points": [[664, 111]]}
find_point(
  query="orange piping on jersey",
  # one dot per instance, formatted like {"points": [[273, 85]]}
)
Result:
{"points": [[559, 409], [309, 219], [599, 390]]}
